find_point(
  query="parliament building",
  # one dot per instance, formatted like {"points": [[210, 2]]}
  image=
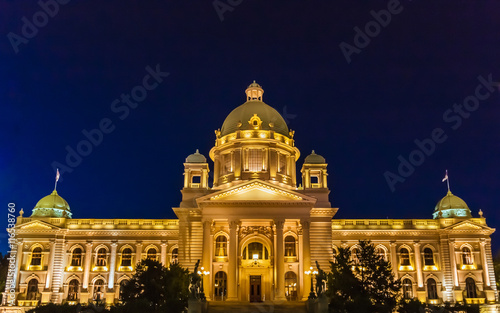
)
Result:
{"points": [[254, 228]]}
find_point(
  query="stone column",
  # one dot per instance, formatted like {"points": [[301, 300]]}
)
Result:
{"points": [[216, 170], [207, 286], [484, 261], [306, 258], [50, 266], [394, 259], [112, 266], [280, 261], [418, 263], [163, 256], [300, 259], [232, 292], [138, 252], [453, 263], [19, 263], [88, 259]]}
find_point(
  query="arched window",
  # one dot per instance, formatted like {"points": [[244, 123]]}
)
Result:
{"points": [[127, 257], [355, 255], [380, 252], [291, 286], [431, 289], [175, 256], [36, 256], [221, 246], [428, 257], [32, 290], [101, 257], [467, 256], [123, 283], [73, 290], [404, 256], [255, 251], [407, 288], [220, 286], [335, 253], [98, 290], [76, 257], [470, 288], [151, 254], [290, 246]]}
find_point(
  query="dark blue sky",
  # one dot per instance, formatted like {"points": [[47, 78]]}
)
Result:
{"points": [[360, 115]]}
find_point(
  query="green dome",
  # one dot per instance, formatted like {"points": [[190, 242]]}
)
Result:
{"points": [[314, 158], [451, 206], [239, 118], [242, 114], [196, 157], [52, 205]]}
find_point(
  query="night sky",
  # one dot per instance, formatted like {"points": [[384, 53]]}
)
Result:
{"points": [[400, 85]]}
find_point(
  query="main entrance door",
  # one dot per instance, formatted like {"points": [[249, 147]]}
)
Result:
{"points": [[255, 290]]}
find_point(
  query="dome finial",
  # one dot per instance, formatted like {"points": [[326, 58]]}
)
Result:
{"points": [[254, 92]]}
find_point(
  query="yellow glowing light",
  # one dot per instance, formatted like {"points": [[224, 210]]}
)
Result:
{"points": [[255, 256], [468, 267], [430, 268], [406, 268]]}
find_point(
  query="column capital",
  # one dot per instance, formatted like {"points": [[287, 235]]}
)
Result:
{"points": [[305, 224], [89, 243], [233, 224], [279, 223], [416, 243], [393, 243], [483, 242], [114, 243], [138, 243]]}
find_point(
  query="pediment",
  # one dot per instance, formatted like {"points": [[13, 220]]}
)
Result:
{"points": [[468, 225], [256, 191], [33, 225]]}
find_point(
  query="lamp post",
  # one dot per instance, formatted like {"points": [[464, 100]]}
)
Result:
{"points": [[312, 295], [202, 273]]}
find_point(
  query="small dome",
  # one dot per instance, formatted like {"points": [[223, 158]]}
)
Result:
{"points": [[451, 206], [239, 118], [196, 157], [314, 158], [52, 205]]}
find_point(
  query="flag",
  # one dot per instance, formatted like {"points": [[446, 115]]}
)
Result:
{"points": [[57, 176], [445, 177]]}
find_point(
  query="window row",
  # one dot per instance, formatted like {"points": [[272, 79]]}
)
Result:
{"points": [[221, 247], [404, 256], [432, 290], [101, 257]]}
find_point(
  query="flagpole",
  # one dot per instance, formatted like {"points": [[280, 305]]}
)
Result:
{"points": [[448, 180], [57, 179]]}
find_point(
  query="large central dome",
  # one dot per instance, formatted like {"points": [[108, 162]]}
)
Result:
{"points": [[239, 118]]}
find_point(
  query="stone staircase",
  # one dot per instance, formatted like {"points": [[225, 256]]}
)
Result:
{"points": [[260, 307]]}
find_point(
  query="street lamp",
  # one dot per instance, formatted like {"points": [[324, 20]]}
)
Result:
{"points": [[202, 273], [312, 295]]}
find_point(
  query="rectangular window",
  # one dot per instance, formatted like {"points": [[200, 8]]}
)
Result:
{"points": [[282, 163], [226, 164], [255, 160]]}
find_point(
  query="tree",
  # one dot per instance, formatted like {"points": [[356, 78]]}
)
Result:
{"points": [[154, 288], [4, 266], [363, 282]]}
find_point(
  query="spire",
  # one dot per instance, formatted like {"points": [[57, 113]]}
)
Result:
{"points": [[254, 92], [446, 178]]}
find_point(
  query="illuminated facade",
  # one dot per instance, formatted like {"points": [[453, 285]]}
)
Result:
{"points": [[253, 229]]}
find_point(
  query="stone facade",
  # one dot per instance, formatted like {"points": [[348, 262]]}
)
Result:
{"points": [[253, 229]]}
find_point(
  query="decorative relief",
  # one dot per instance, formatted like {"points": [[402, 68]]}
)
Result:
{"points": [[248, 230]]}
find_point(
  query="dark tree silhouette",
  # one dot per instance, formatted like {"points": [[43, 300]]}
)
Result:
{"points": [[364, 283]]}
